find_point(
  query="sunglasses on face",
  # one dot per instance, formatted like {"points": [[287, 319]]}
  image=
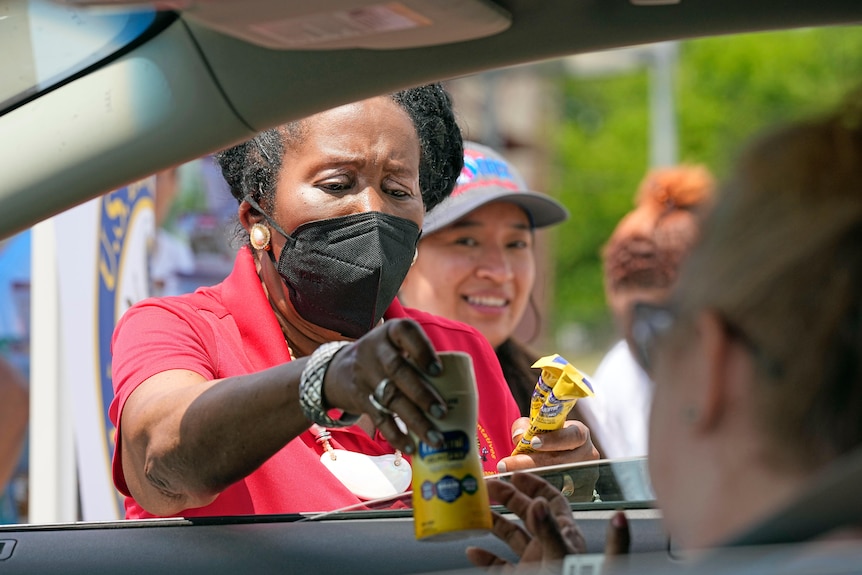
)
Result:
{"points": [[651, 322]]}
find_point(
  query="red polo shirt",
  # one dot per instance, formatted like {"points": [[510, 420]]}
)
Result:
{"points": [[228, 330]]}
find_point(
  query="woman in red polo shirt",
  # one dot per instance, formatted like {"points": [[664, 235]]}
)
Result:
{"points": [[226, 399]]}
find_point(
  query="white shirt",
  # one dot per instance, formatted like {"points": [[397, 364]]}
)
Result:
{"points": [[619, 411]]}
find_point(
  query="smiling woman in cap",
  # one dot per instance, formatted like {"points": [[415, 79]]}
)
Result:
{"points": [[476, 262]]}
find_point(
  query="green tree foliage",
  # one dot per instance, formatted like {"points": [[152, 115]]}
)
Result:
{"points": [[726, 89]]}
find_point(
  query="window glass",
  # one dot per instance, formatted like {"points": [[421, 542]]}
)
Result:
{"points": [[622, 483], [52, 42]]}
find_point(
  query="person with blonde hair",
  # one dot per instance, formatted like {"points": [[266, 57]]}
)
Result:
{"points": [[641, 263], [757, 362]]}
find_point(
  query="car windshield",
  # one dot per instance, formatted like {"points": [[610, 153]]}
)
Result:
{"points": [[52, 43]]}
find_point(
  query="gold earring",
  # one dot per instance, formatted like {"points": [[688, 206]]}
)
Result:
{"points": [[259, 237]]}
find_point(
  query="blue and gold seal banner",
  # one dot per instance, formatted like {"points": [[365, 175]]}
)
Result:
{"points": [[125, 234], [102, 256]]}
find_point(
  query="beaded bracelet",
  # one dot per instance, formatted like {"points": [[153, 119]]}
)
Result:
{"points": [[311, 387]]}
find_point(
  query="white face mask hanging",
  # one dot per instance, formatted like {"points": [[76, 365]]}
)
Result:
{"points": [[366, 476]]}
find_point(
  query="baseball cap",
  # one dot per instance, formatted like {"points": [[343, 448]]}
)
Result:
{"points": [[488, 177]]}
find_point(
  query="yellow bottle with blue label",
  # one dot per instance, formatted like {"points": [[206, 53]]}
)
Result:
{"points": [[450, 499]]}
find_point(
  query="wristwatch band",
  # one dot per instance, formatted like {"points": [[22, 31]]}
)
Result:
{"points": [[311, 387]]}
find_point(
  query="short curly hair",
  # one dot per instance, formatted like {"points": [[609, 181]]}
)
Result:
{"points": [[253, 166]]}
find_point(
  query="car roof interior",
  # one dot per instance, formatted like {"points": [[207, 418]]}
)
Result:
{"points": [[187, 88]]}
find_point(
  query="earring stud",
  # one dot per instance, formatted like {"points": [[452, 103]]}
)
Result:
{"points": [[259, 237]]}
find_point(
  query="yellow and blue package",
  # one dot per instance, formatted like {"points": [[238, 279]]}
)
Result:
{"points": [[558, 388]]}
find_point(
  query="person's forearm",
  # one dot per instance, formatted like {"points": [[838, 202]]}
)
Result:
{"points": [[184, 447]]}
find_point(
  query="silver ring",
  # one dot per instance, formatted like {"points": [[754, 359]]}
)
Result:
{"points": [[380, 390], [377, 406]]}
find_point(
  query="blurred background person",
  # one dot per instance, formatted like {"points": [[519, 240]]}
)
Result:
{"points": [[172, 255], [477, 264], [14, 375], [14, 416], [641, 261]]}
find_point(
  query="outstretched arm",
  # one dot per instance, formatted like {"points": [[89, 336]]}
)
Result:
{"points": [[185, 438]]}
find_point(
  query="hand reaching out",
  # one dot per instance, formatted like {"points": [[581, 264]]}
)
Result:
{"points": [[385, 374], [549, 532], [570, 444]]}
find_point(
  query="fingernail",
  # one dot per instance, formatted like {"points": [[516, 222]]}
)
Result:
{"points": [[501, 467], [618, 520], [540, 511], [536, 442], [518, 432], [435, 438], [437, 411], [435, 368]]}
